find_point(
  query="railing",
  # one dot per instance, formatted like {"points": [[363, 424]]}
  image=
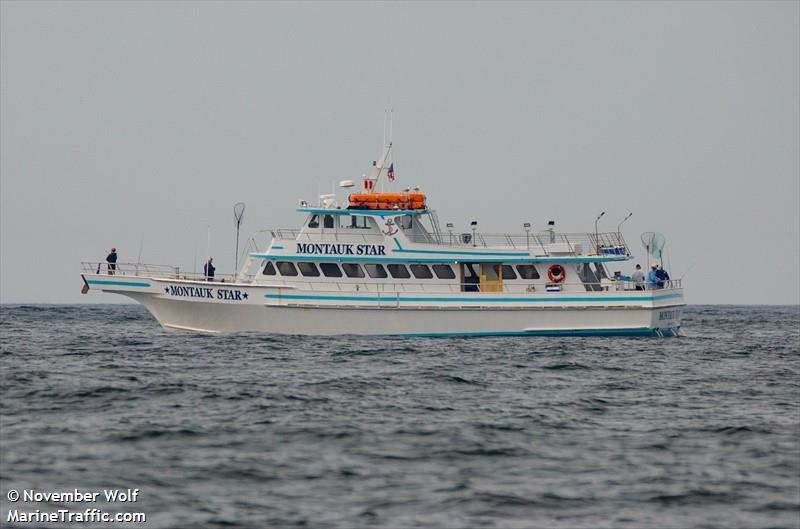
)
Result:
{"points": [[350, 235], [507, 286], [541, 243], [149, 270], [545, 243]]}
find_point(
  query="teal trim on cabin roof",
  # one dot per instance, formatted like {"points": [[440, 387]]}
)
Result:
{"points": [[367, 212]]}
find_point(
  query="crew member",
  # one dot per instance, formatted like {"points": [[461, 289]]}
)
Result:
{"points": [[208, 269], [662, 276], [651, 282], [111, 259], [638, 277]]}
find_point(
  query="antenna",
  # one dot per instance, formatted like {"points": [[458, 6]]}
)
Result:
{"points": [[238, 215], [208, 249], [141, 244]]}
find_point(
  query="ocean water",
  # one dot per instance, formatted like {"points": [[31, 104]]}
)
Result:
{"points": [[252, 430]]}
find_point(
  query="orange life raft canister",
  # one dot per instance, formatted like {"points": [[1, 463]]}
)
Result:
{"points": [[387, 201]]}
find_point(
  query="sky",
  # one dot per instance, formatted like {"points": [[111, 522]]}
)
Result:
{"points": [[139, 125]]}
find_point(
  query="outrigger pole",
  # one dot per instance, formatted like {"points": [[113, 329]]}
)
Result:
{"points": [[238, 215]]}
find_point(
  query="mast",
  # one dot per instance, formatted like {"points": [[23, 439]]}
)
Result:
{"points": [[378, 168]]}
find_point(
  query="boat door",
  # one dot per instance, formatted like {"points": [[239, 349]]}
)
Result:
{"points": [[470, 277], [491, 277]]}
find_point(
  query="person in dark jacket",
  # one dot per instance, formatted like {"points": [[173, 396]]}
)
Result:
{"points": [[662, 276], [209, 269], [111, 259]]}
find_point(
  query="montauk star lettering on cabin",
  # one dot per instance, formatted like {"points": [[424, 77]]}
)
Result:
{"points": [[340, 249]]}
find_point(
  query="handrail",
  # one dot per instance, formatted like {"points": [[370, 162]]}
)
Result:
{"points": [[367, 284], [607, 243], [148, 270]]}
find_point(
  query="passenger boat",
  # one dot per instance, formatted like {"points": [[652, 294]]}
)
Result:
{"points": [[381, 264]]}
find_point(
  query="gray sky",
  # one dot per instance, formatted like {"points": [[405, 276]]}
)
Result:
{"points": [[123, 122]]}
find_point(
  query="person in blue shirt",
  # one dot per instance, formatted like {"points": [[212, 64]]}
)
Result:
{"points": [[651, 281]]}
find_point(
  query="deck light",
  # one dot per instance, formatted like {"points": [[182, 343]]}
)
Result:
{"points": [[623, 221], [450, 229], [527, 227], [596, 235], [474, 225]]}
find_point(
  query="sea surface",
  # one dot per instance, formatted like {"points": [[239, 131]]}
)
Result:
{"points": [[249, 430]]}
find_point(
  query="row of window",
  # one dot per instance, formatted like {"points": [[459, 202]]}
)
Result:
{"points": [[378, 271], [354, 221], [345, 221]]}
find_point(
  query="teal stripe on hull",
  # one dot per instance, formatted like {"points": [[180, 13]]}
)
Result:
{"points": [[402, 298], [118, 283], [638, 331]]}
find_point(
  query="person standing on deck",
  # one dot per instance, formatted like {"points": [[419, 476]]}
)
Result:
{"points": [[209, 269], [111, 259], [662, 276], [638, 277], [651, 283]]}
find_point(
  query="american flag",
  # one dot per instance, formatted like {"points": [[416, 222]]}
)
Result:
{"points": [[390, 174]]}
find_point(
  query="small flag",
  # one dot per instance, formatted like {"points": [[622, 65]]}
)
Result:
{"points": [[390, 174]]}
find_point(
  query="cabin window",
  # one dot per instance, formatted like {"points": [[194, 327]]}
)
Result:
{"points": [[490, 271], [269, 269], [444, 271], [508, 272], [286, 268], [527, 271], [398, 271], [352, 270], [331, 269], [376, 271], [314, 222], [327, 221], [404, 222], [308, 269], [421, 271], [354, 221]]}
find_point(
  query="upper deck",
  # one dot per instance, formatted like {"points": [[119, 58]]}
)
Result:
{"points": [[418, 231]]}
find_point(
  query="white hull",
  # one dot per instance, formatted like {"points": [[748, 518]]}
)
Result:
{"points": [[278, 311]]}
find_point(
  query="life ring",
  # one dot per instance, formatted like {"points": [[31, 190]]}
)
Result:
{"points": [[556, 273]]}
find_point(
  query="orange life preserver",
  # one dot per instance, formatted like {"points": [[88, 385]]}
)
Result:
{"points": [[387, 200], [556, 273]]}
